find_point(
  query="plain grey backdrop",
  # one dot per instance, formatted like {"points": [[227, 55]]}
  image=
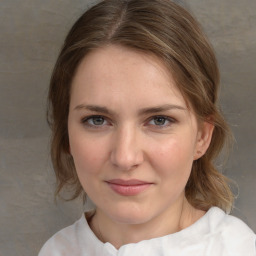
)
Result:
{"points": [[32, 32]]}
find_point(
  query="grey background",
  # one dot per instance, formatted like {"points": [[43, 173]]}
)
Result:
{"points": [[32, 32]]}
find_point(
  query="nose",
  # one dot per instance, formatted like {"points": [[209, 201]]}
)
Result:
{"points": [[127, 152]]}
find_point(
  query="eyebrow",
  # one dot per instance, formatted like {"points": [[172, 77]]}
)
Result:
{"points": [[94, 108], [158, 109], [143, 111]]}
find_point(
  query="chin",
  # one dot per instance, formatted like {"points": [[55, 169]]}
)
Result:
{"points": [[129, 215]]}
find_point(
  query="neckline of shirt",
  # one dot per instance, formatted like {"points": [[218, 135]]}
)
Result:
{"points": [[195, 231]]}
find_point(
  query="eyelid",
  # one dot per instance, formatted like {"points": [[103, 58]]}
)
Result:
{"points": [[85, 122], [171, 120]]}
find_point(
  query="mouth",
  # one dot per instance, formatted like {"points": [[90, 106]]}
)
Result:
{"points": [[128, 187]]}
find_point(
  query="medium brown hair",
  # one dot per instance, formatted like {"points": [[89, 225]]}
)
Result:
{"points": [[168, 31]]}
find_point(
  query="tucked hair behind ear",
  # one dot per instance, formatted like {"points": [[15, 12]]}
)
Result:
{"points": [[168, 31]]}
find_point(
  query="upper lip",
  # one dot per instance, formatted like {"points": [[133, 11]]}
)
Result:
{"points": [[132, 182]]}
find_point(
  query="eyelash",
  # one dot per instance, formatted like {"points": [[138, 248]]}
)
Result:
{"points": [[170, 120], [85, 121]]}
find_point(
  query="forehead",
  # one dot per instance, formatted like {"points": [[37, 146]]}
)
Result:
{"points": [[114, 71]]}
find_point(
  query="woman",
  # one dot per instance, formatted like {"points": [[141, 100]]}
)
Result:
{"points": [[136, 127]]}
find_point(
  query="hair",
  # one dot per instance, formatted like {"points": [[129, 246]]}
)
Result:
{"points": [[168, 31]]}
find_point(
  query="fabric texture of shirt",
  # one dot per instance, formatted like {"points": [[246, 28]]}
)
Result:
{"points": [[214, 234]]}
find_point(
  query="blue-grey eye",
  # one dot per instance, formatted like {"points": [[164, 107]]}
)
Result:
{"points": [[160, 120], [96, 120]]}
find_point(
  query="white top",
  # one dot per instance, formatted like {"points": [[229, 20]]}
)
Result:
{"points": [[215, 234]]}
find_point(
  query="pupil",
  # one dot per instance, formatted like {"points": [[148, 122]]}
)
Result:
{"points": [[159, 121], [98, 120]]}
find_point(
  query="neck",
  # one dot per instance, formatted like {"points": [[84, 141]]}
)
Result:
{"points": [[171, 221]]}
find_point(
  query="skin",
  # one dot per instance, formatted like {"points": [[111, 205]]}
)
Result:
{"points": [[143, 130]]}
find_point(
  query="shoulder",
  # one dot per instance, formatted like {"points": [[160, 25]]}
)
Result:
{"points": [[234, 235], [66, 241], [222, 222]]}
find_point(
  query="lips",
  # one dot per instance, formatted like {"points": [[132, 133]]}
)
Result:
{"points": [[128, 187]]}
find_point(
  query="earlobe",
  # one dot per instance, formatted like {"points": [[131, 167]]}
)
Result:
{"points": [[203, 139]]}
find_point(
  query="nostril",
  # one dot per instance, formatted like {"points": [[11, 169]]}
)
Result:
{"points": [[126, 160]]}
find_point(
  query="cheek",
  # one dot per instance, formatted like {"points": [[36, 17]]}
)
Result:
{"points": [[172, 163], [173, 158], [87, 154]]}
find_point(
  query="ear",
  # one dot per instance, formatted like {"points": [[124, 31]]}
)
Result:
{"points": [[204, 137]]}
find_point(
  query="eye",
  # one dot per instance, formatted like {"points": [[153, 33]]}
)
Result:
{"points": [[94, 121], [161, 121]]}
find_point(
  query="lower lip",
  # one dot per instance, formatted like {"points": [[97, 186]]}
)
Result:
{"points": [[129, 190]]}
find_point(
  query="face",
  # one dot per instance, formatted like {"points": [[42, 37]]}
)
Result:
{"points": [[132, 137]]}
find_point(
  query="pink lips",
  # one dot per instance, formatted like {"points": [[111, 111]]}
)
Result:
{"points": [[128, 187]]}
